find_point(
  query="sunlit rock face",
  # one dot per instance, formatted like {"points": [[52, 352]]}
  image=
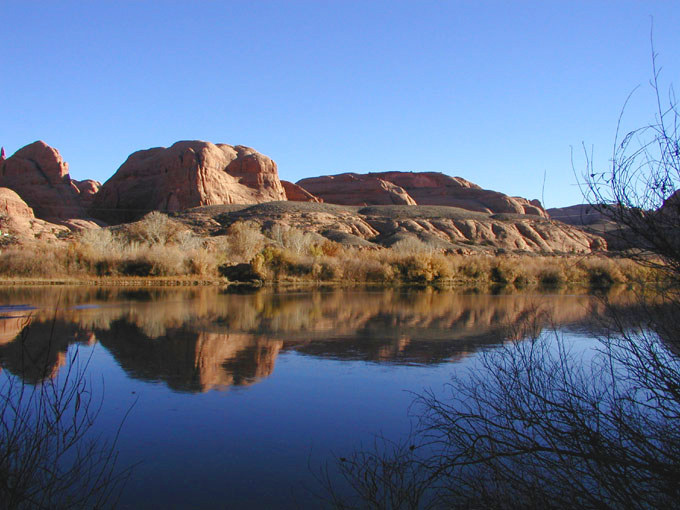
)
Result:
{"points": [[187, 174], [411, 188], [39, 175], [446, 228]]}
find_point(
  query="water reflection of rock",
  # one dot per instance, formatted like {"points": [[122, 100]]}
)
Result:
{"points": [[199, 339], [37, 349], [189, 360]]}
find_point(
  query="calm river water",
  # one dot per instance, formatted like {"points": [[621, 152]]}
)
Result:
{"points": [[239, 399]]}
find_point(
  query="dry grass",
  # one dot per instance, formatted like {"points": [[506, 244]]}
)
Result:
{"points": [[160, 246]]}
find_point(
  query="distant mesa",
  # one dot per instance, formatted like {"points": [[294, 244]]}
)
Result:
{"points": [[416, 188], [187, 174], [579, 215]]}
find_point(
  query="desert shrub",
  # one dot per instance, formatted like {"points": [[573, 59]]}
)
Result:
{"points": [[331, 248], [297, 241], [422, 269], [327, 270], [243, 240], [99, 242], [412, 246], [520, 282], [600, 278], [502, 273], [155, 228], [200, 262], [473, 267], [551, 277], [135, 267], [45, 260], [186, 240], [367, 269], [238, 272]]}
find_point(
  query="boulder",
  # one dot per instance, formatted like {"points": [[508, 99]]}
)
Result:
{"points": [[40, 176], [421, 188], [187, 174]]}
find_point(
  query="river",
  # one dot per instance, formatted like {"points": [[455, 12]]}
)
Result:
{"points": [[238, 400]]}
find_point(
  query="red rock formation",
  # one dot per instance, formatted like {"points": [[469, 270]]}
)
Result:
{"points": [[12, 206], [18, 220], [2, 154], [187, 174], [87, 189], [295, 193], [422, 188], [40, 176], [356, 189]]}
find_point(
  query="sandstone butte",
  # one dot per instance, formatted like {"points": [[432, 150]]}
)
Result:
{"points": [[187, 174], [39, 175], [411, 188]]}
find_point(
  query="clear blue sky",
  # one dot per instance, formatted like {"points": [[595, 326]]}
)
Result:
{"points": [[495, 92]]}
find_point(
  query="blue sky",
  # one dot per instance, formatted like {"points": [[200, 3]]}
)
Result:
{"points": [[495, 92]]}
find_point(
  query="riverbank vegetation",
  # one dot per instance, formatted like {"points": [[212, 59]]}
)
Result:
{"points": [[159, 246]]}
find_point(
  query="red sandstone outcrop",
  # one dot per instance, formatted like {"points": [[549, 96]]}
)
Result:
{"points": [[421, 188], [356, 189], [12, 206], [40, 176], [17, 219], [87, 189], [187, 174], [296, 193]]}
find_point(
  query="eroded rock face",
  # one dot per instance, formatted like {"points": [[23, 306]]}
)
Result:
{"points": [[356, 189], [40, 176], [187, 174], [17, 219], [296, 193], [421, 188]]}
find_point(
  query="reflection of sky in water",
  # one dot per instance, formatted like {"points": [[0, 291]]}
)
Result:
{"points": [[307, 373]]}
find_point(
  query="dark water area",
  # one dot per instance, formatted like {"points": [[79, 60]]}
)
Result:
{"points": [[237, 400]]}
